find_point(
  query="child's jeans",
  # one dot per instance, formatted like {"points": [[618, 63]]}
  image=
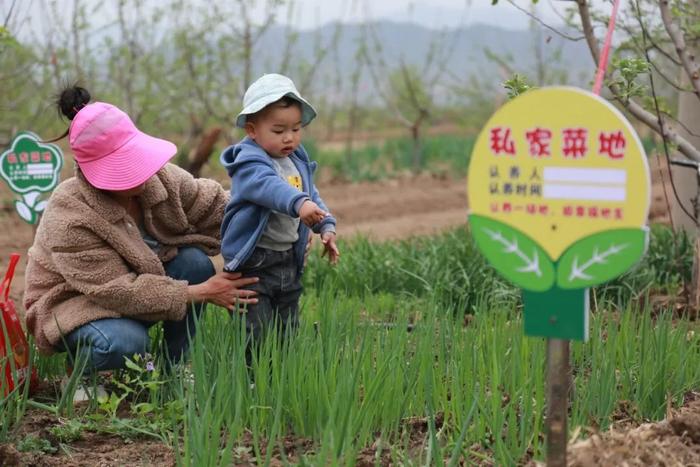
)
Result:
{"points": [[104, 343], [278, 290]]}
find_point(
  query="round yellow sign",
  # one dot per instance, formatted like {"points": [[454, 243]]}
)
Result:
{"points": [[559, 164]]}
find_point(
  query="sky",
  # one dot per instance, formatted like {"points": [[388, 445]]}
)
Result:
{"points": [[312, 13], [432, 12]]}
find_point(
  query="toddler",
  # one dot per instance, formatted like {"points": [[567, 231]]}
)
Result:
{"points": [[273, 202]]}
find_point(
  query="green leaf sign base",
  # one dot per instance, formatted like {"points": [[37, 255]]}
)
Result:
{"points": [[513, 254], [600, 257], [557, 313], [555, 290]]}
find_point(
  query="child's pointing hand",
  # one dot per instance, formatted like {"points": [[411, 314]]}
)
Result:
{"points": [[311, 214], [329, 247]]}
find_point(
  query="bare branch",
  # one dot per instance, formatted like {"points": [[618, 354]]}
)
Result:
{"points": [[682, 125], [413, 94], [445, 60], [500, 61], [645, 34], [551, 28], [201, 95], [650, 41], [650, 120], [646, 47], [320, 53], [75, 25], [269, 21], [663, 52], [291, 38], [9, 14], [372, 68], [671, 82], [689, 63], [588, 32], [380, 90], [557, 12]]}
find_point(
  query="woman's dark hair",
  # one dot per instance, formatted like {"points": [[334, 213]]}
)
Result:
{"points": [[69, 101]]}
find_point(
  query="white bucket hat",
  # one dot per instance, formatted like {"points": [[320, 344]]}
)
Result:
{"points": [[270, 88]]}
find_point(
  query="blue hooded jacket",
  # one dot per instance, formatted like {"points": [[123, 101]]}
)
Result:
{"points": [[256, 190]]}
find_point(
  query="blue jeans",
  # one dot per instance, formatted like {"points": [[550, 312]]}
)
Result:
{"points": [[279, 290], [104, 343]]}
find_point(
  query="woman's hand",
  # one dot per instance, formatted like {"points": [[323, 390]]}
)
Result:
{"points": [[224, 289]]}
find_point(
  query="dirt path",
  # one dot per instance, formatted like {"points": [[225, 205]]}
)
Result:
{"points": [[397, 209], [385, 210]]}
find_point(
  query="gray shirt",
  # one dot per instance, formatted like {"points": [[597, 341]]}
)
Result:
{"points": [[282, 230]]}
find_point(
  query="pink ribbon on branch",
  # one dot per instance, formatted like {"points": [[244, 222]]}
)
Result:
{"points": [[603, 62]]}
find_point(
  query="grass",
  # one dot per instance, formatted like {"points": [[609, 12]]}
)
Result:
{"points": [[345, 385], [449, 271], [351, 385]]}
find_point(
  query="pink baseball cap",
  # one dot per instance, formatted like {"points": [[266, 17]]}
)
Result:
{"points": [[111, 152]]}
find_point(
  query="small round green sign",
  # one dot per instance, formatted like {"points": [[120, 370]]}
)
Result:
{"points": [[30, 168]]}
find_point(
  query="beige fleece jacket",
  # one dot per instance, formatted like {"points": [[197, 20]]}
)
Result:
{"points": [[90, 262]]}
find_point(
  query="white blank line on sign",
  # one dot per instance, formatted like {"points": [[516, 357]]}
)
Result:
{"points": [[583, 192], [562, 174], [39, 169]]}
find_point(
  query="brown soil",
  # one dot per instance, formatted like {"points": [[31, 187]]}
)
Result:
{"points": [[92, 449], [674, 441], [400, 208]]}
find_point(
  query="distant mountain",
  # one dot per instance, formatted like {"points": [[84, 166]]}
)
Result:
{"points": [[504, 15], [411, 43], [470, 47]]}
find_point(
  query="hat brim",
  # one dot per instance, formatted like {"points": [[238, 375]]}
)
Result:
{"points": [[308, 113], [130, 165]]}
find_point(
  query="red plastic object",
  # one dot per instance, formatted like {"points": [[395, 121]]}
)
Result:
{"points": [[12, 338]]}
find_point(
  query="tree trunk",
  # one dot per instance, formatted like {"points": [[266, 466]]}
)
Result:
{"points": [[417, 150], [247, 57], [201, 154], [353, 119], [686, 180]]}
